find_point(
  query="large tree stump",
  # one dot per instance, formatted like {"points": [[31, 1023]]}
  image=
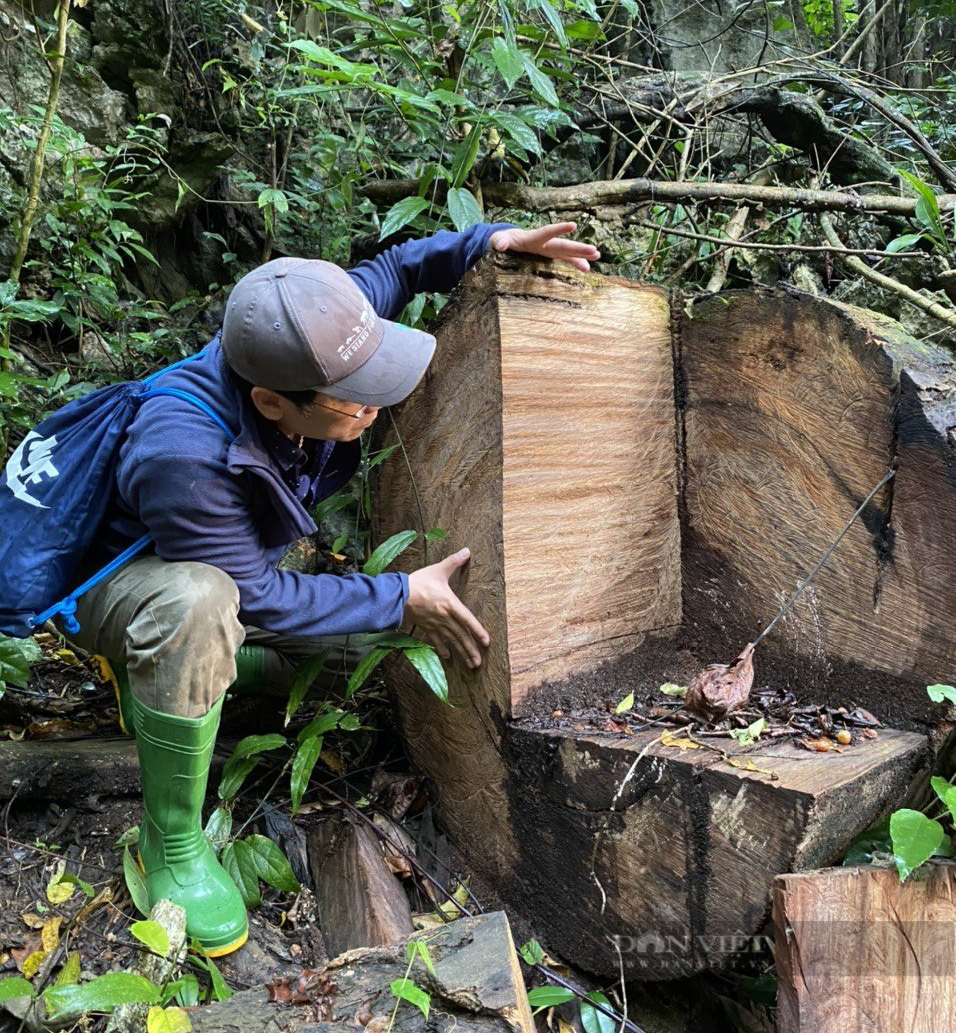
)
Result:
{"points": [[858, 951], [580, 434]]}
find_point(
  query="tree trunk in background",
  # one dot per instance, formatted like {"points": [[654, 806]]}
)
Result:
{"points": [[915, 71], [839, 26], [868, 53]]}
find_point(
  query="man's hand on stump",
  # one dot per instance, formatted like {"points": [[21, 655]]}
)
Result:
{"points": [[440, 617], [545, 241]]}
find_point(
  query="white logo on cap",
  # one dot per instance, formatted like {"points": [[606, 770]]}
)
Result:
{"points": [[360, 334]]}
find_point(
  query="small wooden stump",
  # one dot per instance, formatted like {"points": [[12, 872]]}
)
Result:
{"points": [[360, 902], [858, 951]]}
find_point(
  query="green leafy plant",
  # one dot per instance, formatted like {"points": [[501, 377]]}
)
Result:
{"points": [[406, 989], [16, 655]]}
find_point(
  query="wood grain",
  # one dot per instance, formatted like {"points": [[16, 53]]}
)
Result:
{"points": [[857, 951], [794, 409]]}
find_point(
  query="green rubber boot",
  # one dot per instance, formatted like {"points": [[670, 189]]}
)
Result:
{"points": [[250, 663], [180, 865]]}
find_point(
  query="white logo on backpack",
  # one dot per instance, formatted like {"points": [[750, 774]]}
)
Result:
{"points": [[29, 465]]}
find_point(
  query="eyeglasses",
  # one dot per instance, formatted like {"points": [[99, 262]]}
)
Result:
{"points": [[355, 415]]}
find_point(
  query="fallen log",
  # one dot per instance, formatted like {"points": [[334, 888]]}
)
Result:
{"points": [[476, 988], [630, 191], [858, 950], [360, 902], [637, 477]]}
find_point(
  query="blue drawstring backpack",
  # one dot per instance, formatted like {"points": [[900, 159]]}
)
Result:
{"points": [[53, 497]]}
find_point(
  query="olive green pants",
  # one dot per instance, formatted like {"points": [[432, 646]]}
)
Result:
{"points": [[176, 626]]}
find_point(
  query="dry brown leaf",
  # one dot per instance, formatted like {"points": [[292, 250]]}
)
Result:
{"points": [[720, 689], [31, 920]]}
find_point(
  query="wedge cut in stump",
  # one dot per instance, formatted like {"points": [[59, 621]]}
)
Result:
{"points": [[579, 434], [857, 951]]}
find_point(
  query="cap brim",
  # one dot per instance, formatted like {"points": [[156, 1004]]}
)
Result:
{"points": [[392, 373]]}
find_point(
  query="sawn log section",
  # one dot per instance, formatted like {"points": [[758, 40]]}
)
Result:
{"points": [[625, 465]]}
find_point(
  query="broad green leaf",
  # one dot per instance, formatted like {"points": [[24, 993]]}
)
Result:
{"points": [[185, 991], [135, 883], [539, 80], [532, 952], [507, 23], [519, 131], [220, 988], [243, 759], [271, 864], [390, 549], [331, 505], [507, 60], [927, 206], [549, 996], [749, 735], [153, 935], [406, 990], [939, 693], [364, 668], [101, 994], [419, 949], [276, 198], [903, 243], [75, 880], [303, 764], [303, 680], [238, 860], [218, 827], [167, 1020], [70, 973], [401, 214], [129, 838], [321, 723], [670, 689], [946, 791], [915, 839], [552, 18], [465, 155], [14, 986], [384, 453], [426, 661], [595, 1021], [584, 29], [14, 664], [463, 208], [625, 704]]}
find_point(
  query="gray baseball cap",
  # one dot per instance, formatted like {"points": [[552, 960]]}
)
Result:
{"points": [[296, 324]]}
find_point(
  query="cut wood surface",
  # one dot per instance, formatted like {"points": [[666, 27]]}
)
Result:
{"points": [[679, 873], [476, 988], [544, 439], [794, 409], [360, 901], [857, 951]]}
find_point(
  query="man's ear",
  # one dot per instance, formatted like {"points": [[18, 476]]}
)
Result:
{"points": [[267, 402]]}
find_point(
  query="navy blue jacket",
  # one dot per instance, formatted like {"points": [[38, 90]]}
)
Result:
{"points": [[239, 504]]}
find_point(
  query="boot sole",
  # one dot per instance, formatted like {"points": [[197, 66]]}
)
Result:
{"points": [[212, 952]]}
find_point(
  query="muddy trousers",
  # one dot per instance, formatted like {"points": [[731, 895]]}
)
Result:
{"points": [[176, 627]]}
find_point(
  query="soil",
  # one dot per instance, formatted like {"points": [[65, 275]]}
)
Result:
{"points": [[786, 691]]}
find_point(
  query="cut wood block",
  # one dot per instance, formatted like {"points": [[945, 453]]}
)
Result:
{"points": [[857, 951], [678, 873], [544, 439], [476, 988], [794, 408], [359, 901]]}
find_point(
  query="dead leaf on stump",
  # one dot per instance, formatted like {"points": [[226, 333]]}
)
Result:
{"points": [[720, 689], [311, 986]]}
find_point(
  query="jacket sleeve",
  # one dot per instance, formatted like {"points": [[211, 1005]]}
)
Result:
{"points": [[436, 263], [195, 512]]}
